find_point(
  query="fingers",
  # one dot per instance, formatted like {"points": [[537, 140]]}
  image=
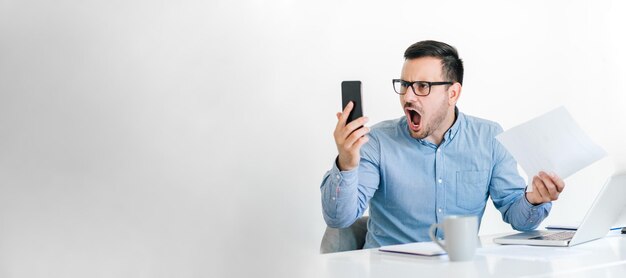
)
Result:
{"points": [[354, 125], [541, 190], [349, 138], [553, 182], [547, 186], [546, 183], [343, 132], [345, 113], [356, 135], [342, 119], [356, 144], [558, 182], [349, 149], [361, 141]]}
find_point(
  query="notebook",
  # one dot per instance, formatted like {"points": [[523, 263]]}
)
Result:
{"points": [[605, 209], [417, 248]]}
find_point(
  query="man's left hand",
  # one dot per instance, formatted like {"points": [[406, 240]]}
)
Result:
{"points": [[546, 188]]}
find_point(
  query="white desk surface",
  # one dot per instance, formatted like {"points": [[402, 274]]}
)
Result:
{"points": [[604, 257]]}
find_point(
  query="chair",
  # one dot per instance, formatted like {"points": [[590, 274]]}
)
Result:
{"points": [[345, 239]]}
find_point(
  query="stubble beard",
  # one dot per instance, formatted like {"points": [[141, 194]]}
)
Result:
{"points": [[430, 127]]}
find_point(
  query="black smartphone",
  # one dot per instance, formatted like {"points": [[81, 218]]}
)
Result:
{"points": [[351, 91]]}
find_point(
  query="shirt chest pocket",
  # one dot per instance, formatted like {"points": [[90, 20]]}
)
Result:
{"points": [[471, 189]]}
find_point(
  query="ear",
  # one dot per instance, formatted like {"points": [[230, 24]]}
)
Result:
{"points": [[454, 92]]}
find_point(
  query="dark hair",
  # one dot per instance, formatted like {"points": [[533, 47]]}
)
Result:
{"points": [[451, 64]]}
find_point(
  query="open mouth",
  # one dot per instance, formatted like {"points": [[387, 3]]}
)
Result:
{"points": [[414, 118]]}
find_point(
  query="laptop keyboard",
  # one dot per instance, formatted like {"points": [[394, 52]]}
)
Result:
{"points": [[556, 236]]}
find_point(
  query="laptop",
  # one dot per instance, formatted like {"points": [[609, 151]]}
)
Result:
{"points": [[604, 211]]}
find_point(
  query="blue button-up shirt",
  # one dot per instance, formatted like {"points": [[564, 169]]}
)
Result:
{"points": [[412, 183]]}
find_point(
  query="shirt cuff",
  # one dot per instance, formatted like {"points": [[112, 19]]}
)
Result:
{"points": [[528, 205], [348, 177], [536, 212]]}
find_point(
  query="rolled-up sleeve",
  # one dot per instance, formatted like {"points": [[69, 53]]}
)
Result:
{"points": [[345, 194], [338, 188], [507, 190]]}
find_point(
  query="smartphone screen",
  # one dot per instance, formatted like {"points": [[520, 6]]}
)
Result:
{"points": [[351, 91]]}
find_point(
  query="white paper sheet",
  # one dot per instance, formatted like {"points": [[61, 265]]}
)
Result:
{"points": [[552, 142]]}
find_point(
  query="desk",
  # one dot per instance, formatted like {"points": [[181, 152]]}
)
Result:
{"points": [[604, 257]]}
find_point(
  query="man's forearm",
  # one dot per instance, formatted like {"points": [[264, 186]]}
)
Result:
{"points": [[524, 216], [340, 198]]}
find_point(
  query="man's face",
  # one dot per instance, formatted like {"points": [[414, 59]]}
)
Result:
{"points": [[428, 117]]}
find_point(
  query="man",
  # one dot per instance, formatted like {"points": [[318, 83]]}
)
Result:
{"points": [[432, 162]]}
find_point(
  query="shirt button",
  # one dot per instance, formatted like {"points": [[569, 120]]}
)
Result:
{"points": [[338, 177], [438, 150], [333, 198], [440, 181], [439, 209]]}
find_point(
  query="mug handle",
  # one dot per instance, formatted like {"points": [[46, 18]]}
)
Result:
{"points": [[431, 233]]}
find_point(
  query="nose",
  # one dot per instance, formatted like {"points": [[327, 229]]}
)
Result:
{"points": [[409, 96]]}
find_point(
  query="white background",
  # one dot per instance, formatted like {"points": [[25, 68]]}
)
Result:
{"points": [[189, 138]]}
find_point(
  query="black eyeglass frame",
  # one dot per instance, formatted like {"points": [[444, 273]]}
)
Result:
{"points": [[410, 84]]}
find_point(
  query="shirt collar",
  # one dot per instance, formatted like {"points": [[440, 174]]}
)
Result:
{"points": [[459, 118]]}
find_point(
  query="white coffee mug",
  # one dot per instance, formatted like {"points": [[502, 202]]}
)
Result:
{"points": [[461, 236]]}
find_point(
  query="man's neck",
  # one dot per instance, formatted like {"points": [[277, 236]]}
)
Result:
{"points": [[437, 136]]}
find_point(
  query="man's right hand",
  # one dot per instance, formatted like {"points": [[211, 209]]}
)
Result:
{"points": [[349, 139]]}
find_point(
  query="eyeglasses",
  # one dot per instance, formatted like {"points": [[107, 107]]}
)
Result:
{"points": [[420, 88]]}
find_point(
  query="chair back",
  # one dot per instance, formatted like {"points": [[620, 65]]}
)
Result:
{"points": [[345, 239]]}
